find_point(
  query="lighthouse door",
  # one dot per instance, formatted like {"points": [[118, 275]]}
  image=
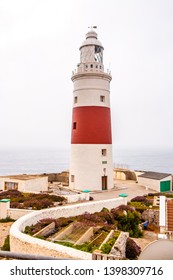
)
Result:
{"points": [[104, 183]]}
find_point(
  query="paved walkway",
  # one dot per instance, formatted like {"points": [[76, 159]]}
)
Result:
{"points": [[129, 187]]}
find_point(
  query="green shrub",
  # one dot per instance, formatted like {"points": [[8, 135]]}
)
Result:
{"points": [[86, 247], [28, 230], [104, 209], [41, 237], [6, 220], [6, 245], [106, 248], [129, 222], [138, 205]]}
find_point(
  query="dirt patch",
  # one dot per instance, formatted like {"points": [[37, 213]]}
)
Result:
{"points": [[149, 236], [4, 231]]}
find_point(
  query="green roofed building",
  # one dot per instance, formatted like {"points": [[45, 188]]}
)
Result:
{"points": [[161, 182]]}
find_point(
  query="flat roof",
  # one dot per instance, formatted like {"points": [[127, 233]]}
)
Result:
{"points": [[154, 175], [24, 176]]}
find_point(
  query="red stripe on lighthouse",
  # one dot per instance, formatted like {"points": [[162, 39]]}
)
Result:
{"points": [[91, 125]]}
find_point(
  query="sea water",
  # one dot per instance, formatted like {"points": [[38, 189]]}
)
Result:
{"points": [[36, 161]]}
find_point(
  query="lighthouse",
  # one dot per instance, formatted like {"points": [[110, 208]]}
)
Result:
{"points": [[91, 164]]}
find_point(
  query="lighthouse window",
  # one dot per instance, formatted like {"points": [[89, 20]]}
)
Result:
{"points": [[104, 152], [91, 65], [98, 54], [102, 98], [74, 125], [72, 178], [75, 99]]}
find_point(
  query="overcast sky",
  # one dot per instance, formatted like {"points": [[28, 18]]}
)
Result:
{"points": [[39, 49]]}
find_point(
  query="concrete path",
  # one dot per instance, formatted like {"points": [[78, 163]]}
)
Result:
{"points": [[131, 188]]}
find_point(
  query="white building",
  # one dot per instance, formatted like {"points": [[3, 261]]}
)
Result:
{"points": [[91, 165], [159, 182], [24, 183]]}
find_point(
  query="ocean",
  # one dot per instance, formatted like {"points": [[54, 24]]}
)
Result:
{"points": [[36, 161]]}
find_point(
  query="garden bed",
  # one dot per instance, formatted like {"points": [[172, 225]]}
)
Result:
{"points": [[122, 218], [31, 201]]}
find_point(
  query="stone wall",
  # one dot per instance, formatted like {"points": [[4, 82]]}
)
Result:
{"points": [[58, 177], [119, 248], [124, 174], [20, 242], [152, 216]]}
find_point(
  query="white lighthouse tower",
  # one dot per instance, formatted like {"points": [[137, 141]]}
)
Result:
{"points": [[91, 165]]}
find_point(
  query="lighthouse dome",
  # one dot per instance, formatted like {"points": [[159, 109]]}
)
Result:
{"points": [[91, 39]]}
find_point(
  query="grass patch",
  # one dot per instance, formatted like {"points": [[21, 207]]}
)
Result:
{"points": [[6, 220], [6, 245]]}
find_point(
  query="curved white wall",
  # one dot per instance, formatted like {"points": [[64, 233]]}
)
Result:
{"points": [[20, 242]]}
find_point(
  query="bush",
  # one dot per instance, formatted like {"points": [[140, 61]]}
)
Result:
{"points": [[137, 205], [38, 204], [28, 230], [6, 220], [6, 246], [106, 248], [120, 209], [143, 200], [31, 200], [15, 205], [104, 209], [7, 194], [132, 249], [139, 199], [129, 222]]}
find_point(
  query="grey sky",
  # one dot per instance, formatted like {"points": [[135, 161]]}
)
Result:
{"points": [[39, 49]]}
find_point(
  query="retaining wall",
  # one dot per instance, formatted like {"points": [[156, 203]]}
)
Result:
{"points": [[119, 248], [20, 242], [77, 197], [15, 214]]}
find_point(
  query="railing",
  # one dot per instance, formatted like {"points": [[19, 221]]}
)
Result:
{"points": [[19, 256]]}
